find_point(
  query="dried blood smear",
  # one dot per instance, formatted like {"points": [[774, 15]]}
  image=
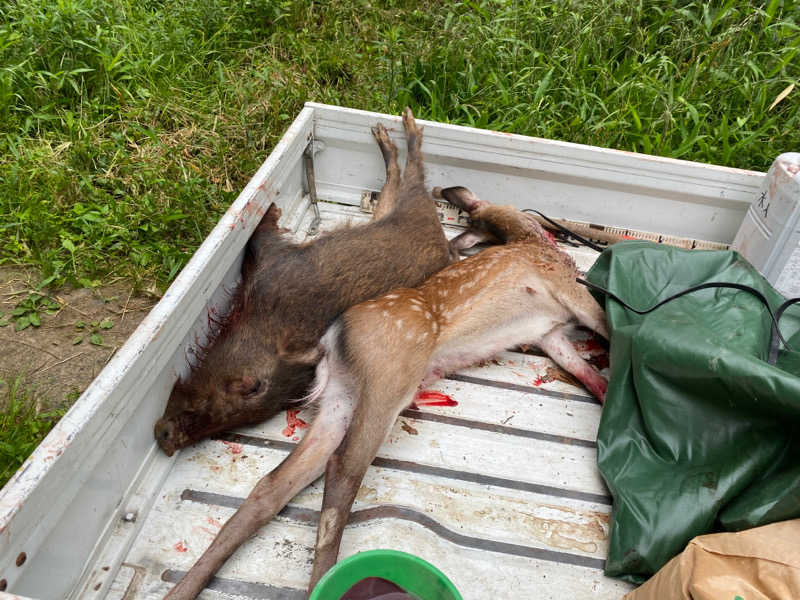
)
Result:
{"points": [[600, 361], [590, 345], [234, 447], [293, 422], [598, 355], [432, 398]]}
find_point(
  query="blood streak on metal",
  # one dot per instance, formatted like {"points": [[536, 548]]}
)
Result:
{"points": [[293, 422], [432, 398]]}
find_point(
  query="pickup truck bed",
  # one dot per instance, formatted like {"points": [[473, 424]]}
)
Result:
{"points": [[500, 491]]}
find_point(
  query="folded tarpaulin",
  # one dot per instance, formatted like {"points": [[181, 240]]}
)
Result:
{"points": [[699, 432], [756, 564]]}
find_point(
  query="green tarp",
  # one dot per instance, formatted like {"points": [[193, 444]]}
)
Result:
{"points": [[699, 433]]}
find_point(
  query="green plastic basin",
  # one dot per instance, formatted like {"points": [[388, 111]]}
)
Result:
{"points": [[410, 572]]}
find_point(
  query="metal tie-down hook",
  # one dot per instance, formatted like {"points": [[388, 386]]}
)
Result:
{"points": [[308, 163]]}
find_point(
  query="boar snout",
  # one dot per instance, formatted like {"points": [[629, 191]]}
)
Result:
{"points": [[168, 437]]}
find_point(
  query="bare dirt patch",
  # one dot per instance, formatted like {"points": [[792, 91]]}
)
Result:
{"points": [[54, 366]]}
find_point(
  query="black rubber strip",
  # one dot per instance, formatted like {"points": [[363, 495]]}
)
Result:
{"points": [[412, 467], [773, 346], [261, 591], [504, 429], [528, 389], [310, 516]]}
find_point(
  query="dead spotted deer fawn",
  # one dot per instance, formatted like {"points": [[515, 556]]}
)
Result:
{"points": [[262, 358], [379, 353]]}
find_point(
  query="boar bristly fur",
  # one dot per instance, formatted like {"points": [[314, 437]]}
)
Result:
{"points": [[261, 356]]}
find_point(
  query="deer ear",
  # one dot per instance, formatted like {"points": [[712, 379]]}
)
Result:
{"points": [[244, 386]]}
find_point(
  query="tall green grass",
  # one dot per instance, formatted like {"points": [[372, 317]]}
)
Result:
{"points": [[127, 127]]}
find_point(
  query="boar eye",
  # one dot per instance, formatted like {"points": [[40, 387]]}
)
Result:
{"points": [[251, 388], [246, 386]]}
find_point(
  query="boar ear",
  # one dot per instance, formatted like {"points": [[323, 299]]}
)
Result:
{"points": [[244, 386], [269, 222], [298, 353]]}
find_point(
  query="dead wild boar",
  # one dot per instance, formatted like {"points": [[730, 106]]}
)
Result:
{"points": [[262, 356]]}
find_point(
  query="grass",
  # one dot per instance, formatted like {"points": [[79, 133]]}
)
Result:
{"points": [[22, 426]]}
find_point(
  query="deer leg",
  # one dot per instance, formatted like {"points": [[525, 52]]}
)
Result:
{"points": [[588, 312], [507, 223], [559, 348], [372, 422], [388, 357], [388, 196], [305, 464]]}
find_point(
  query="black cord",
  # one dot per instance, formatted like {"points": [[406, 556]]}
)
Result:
{"points": [[773, 347], [563, 229], [775, 335]]}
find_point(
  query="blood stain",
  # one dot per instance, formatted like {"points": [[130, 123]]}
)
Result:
{"points": [[590, 345], [234, 447], [600, 361], [213, 521], [432, 398], [293, 422], [181, 547]]}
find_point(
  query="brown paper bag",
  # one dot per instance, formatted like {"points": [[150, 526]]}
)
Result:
{"points": [[756, 564]]}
